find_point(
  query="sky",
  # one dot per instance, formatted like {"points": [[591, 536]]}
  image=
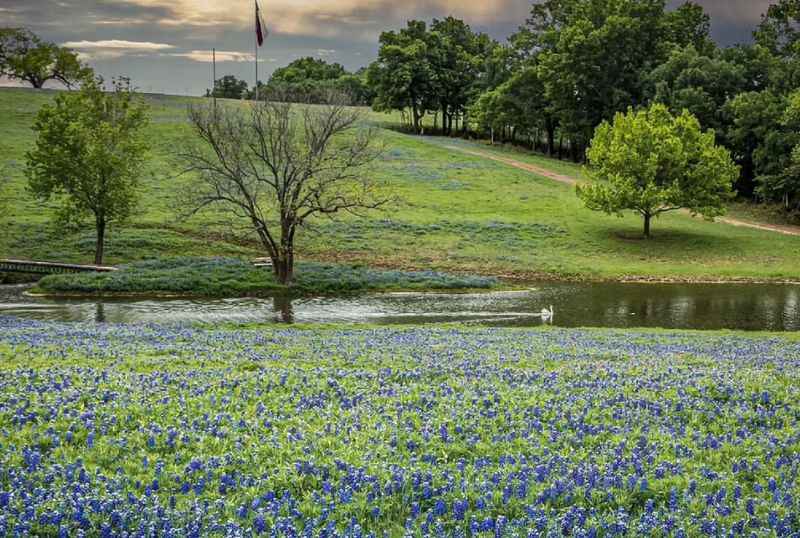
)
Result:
{"points": [[165, 46]]}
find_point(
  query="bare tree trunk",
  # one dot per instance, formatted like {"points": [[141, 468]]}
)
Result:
{"points": [[100, 229], [647, 218]]}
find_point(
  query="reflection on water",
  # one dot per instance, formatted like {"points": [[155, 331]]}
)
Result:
{"points": [[698, 306]]}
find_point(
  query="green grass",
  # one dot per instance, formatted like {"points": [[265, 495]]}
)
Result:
{"points": [[226, 277], [457, 213]]}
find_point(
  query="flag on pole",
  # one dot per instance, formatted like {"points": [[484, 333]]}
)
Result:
{"points": [[261, 31]]}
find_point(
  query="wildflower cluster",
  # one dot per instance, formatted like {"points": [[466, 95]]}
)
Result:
{"points": [[149, 430]]}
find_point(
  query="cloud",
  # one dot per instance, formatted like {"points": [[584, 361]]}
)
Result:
{"points": [[222, 56], [117, 44], [359, 19], [115, 48]]}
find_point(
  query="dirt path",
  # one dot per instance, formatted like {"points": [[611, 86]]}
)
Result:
{"points": [[561, 178]]}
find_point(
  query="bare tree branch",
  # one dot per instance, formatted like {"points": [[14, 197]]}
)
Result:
{"points": [[276, 165]]}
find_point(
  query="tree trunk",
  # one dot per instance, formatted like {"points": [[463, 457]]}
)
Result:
{"points": [[100, 229], [647, 218], [415, 112], [551, 139], [283, 264]]}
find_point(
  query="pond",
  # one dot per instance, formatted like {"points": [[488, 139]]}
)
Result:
{"points": [[772, 307]]}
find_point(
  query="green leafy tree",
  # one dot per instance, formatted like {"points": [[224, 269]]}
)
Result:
{"points": [[228, 87], [758, 138], [402, 77], [778, 30], [593, 54], [313, 80], [89, 153], [308, 69], [698, 83], [766, 130], [355, 87], [457, 57], [689, 25], [517, 108], [651, 162], [24, 56]]}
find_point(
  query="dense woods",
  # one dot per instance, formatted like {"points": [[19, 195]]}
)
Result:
{"points": [[576, 63]]}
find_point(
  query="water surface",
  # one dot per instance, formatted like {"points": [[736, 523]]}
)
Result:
{"points": [[773, 307]]}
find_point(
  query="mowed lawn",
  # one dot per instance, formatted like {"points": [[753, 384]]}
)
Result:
{"points": [[455, 212]]}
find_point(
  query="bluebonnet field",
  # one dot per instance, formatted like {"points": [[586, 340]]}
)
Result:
{"points": [[176, 431]]}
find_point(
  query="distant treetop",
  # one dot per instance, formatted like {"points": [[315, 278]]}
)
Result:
{"points": [[26, 57]]}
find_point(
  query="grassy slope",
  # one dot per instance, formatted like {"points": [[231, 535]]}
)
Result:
{"points": [[458, 212]]}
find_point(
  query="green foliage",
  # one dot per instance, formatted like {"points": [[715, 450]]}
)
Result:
{"points": [[402, 77], [89, 154], [697, 83], [313, 80], [517, 109], [439, 69], [576, 63], [24, 56], [594, 57], [227, 277], [228, 87], [652, 162], [764, 136], [307, 69], [771, 124], [778, 30]]}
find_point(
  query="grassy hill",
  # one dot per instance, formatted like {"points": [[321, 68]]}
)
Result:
{"points": [[458, 213]]}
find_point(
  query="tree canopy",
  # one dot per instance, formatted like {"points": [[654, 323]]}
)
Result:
{"points": [[439, 69], [652, 162], [574, 64], [228, 87], [89, 154], [312, 80], [26, 57]]}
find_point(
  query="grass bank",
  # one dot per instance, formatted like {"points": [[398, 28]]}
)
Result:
{"points": [[232, 277], [457, 213], [425, 432]]}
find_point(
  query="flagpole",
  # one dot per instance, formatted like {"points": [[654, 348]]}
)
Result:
{"points": [[214, 76], [255, 2]]}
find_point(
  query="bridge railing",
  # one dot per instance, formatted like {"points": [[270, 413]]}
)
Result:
{"points": [[30, 266]]}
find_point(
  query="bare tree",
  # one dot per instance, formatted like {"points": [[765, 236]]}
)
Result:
{"points": [[276, 165]]}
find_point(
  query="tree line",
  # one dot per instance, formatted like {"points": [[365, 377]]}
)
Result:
{"points": [[305, 80], [575, 63]]}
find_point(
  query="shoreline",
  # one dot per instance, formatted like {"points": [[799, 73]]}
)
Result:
{"points": [[517, 283]]}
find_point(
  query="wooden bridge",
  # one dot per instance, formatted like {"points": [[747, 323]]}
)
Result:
{"points": [[48, 268]]}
